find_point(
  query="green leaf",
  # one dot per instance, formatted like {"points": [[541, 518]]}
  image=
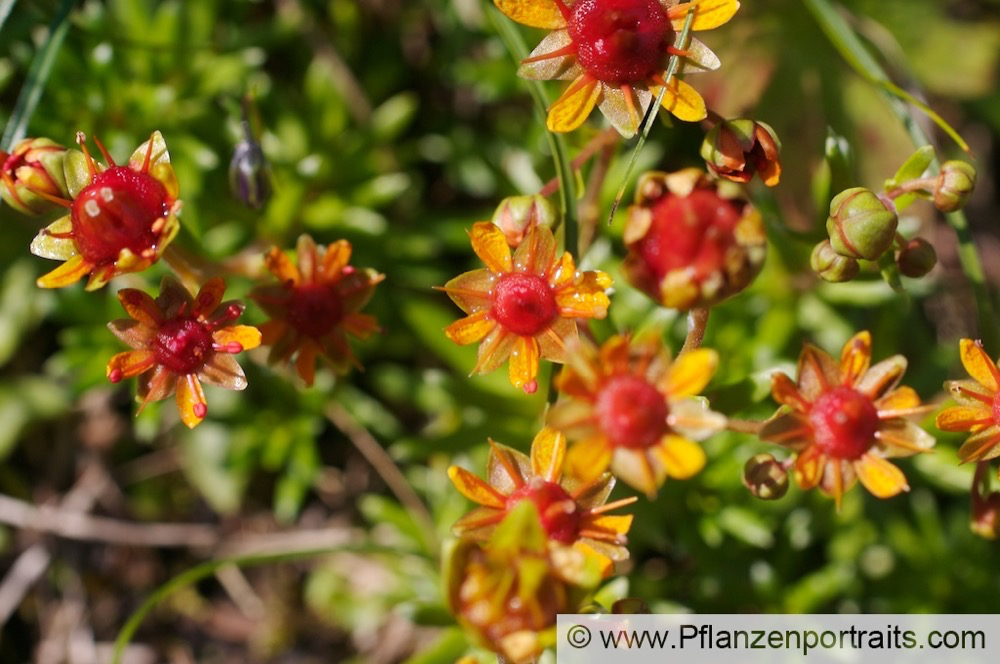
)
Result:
{"points": [[447, 649], [913, 167]]}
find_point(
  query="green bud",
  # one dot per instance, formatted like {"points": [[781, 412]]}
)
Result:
{"points": [[954, 185], [916, 258], [831, 266], [765, 477], [30, 172], [860, 225], [517, 214]]}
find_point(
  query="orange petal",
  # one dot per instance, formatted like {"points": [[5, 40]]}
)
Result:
{"points": [[271, 331], [882, 377], [817, 372], [787, 393], [681, 458], [494, 350], [575, 105], [690, 372], [335, 259], [470, 329], [130, 363], [614, 356], [589, 458], [246, 336], [68, 273], [564, 272], [901, 401], [307, 256], [141, 307], [533, 13], [548, 451], [523, 366], [361, 326], [809, 467], [490, 244], [708, 13], [282, 267], [476, 489], [981, 446], [880, 477], [191, 400], [305, 363], [979, 365], [471, 290], [682, 101], [855, 358], [586, 298], [963, 418]]}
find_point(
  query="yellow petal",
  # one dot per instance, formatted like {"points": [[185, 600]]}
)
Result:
{"points": [[880, 477], [191, 400], [708, 13], [246, 336], [681, 458], [809, 467], [533, 13], [587, 459], [523, 366], [855, 358], [979, 365], [282, 267], [963, 418], [688, 375], [548, 451], [586, 297], [49, 244], [476, 489], [141, 307], [68, 273], [470, 329], [615, 523], [682, 100], [490, 244], [981, 446], [901, 399], [336, 258], [574, 106], [209, 296]]}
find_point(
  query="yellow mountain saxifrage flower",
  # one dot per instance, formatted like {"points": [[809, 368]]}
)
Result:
{"points": [[978, 411], [121, 217], [523, 306], [315, 306], [616, 53], [572, 513], [508, 591], [632, 410], [178, 341], [845, 421]]}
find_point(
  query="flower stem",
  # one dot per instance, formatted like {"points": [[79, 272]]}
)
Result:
{"points": [[697, 322], [599, 142]]}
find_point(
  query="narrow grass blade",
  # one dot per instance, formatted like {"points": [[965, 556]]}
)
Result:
{"points": [[6, 7], [38, 74]]}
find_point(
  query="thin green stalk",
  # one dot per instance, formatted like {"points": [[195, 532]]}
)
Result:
{"points": [[511, 37], [6, 7], [205, 570], [672, 67], [38, 74], [857, 56]]}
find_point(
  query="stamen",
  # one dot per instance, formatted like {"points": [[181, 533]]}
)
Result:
{"points": [[672, 50], [630, 103], [232, 347], [569, 49], [149, 154], [607, 507], [107, 157], [81, 140], [116, 375]]}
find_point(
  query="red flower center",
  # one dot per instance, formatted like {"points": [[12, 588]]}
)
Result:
{"points": [[523, 303], [631, 412], [315, 310], [844, 423], [183, 345], [556, 508], [118, 210], [692, 232], [621, 41]]}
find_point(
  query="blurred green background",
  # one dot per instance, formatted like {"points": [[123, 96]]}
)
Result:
{"points": [[396, 125]]}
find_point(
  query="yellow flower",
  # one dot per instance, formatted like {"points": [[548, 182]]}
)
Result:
{"points": [[845, 421], [616, 53], [571, 512], [978, 411], [523, 306], [631, 409], [315, 306]]}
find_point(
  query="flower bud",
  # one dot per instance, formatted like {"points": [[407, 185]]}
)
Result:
{"points": [[249, 174], [860, 225], [765, 477], [35, 167], [692, 241], [831, 266], [986, 516], [630, 606], [736, 149], [517, 214], [954, 185], [916, 258]]}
